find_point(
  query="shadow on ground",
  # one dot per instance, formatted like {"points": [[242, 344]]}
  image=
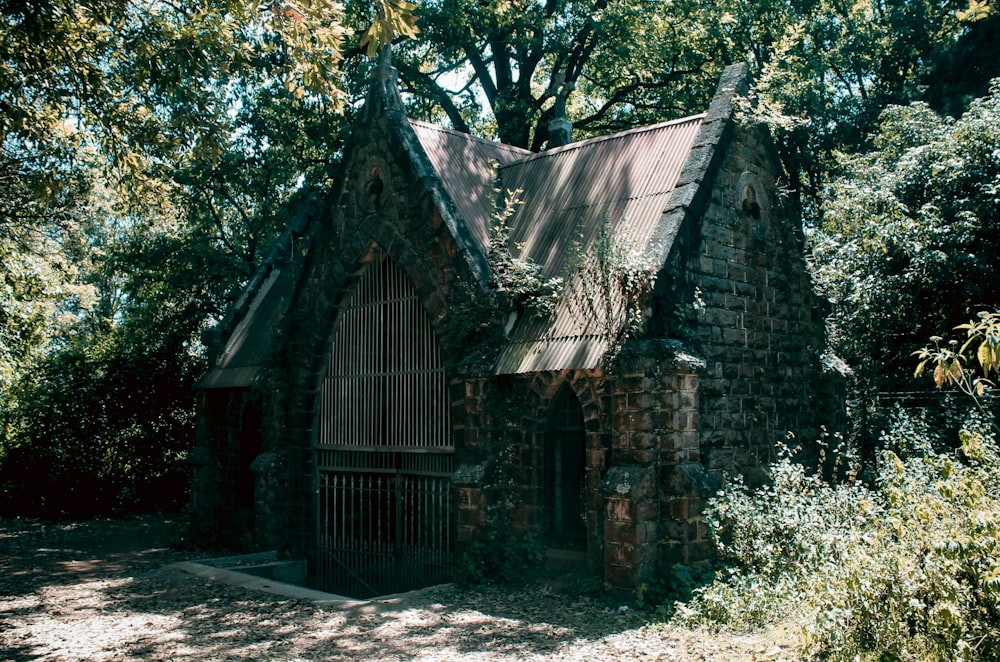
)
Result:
{"points": [[104, 589]]}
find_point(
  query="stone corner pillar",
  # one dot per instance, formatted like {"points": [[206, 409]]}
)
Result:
{"points": [[270, 470], [630, 526]]}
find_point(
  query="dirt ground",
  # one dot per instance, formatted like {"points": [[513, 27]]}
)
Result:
{"points": [[107, 590]]}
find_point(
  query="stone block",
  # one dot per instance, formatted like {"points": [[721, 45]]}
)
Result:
{"points": [[626, 533], [620, 509], [679, 508], [639, 402], [645, 440], [634, 456], [647, 510], [614, 554], [672, 530], [736, 337], [621, 577]]}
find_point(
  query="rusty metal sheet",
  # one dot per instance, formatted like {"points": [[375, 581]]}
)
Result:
{"points": [[620, 183], [466, 165], [249, 343]]}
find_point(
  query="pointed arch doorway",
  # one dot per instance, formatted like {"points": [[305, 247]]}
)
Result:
{"points": [[384, 453], [564, 473]]}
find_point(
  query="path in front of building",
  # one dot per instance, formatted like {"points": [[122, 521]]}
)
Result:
{"points": [[110, 590]]}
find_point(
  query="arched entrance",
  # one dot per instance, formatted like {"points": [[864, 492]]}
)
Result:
{"points": [[384, 452], [564, 465]]}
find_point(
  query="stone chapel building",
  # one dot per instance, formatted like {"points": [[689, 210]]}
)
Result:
{"points": [[348, 418]]}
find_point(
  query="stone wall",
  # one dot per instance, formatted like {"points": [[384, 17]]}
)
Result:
{"points": [[500, 427], [756, 325], [222, 485], [644, 486], [386, 208]]}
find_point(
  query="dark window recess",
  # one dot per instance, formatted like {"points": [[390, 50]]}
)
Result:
{"points": [[564, 468]]}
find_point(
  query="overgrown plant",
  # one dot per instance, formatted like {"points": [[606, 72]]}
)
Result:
{"points": [[518, 280], [518, 287], [610, 279], [955, 365], [501, 554], [906, 569]]}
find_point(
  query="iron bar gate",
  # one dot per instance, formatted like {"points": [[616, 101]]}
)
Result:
{"points": [[385, 531], [385, 511]]}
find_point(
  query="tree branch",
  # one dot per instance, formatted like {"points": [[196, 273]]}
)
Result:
{"points": [[424, 82], [622, 94]]}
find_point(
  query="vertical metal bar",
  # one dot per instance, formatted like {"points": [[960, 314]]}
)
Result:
{"points": [[404, 410], [399, 508], [421, 377], [440, 524], [427, 514], [397, 320], [320, 532], [370, 367], [398, 351], [385, 386]]}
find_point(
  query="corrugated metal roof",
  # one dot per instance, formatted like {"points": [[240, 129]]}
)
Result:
{"points": [[568, 194], [248, 345], [466, 166]]}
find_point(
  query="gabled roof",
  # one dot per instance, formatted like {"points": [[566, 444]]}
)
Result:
{"points": [[618, 184], [467, 167], [243, 339], [638, 185]]}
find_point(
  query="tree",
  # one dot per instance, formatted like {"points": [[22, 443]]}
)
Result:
{"points": [[153, 151], [911, 235], [616, 63], [834, 66], [826, 69]]}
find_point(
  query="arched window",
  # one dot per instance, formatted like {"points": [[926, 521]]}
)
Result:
{"points": [[385, 379]]}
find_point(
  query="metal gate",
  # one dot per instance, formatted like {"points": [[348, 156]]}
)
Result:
{"points": [[386, 519]]}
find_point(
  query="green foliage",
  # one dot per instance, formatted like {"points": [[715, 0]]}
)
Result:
{"points": [[98, 430], [517, 288], [498, 68], [906, 569], [129, 225], [676, 586], [519, 281], [610, 280], [830, 68], [500, 556], [906, 223], [503, 553], [953, 365], [393, 18]]}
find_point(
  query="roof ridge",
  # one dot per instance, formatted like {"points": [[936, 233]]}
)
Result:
{"points": [[611, 136], [469, 136]]}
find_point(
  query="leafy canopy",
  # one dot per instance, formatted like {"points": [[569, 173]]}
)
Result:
{"points": [[910, 233], [149, 153]]}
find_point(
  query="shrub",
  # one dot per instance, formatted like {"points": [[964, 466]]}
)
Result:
{"points": [[905, 569], [500, 556], [502, 553]]}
